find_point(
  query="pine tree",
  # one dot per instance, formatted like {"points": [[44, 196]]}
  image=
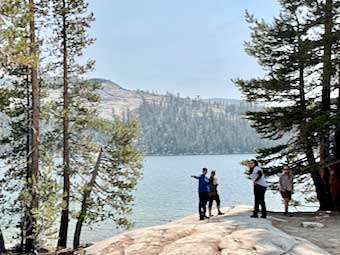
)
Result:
{"points": [[324, 16], [21, 139], [33, 173], [71, 22], [107, 194], [15, 60], [288, 56], [335, 168], [296, 73], [332, 40], [29, 186]]}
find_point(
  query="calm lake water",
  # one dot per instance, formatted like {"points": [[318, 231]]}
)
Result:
{"points": [[166, 191]]}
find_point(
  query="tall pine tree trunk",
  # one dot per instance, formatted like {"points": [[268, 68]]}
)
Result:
{"points": [[335, 169], [84, 204], [62, 242], [334, 182], [308, 148], [305, 136], [2, 243], [31, 224], [327, 203], [28, 152]]}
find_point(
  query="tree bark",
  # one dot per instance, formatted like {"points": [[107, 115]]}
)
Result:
{"points": [[308, 148], [326, 103], [29, 130], [30, 240], [84, 204], [63, 230], [305, 137], [2, 243], [335, 168], [334, 182]]}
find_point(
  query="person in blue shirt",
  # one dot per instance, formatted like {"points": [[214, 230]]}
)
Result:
{"points": [[203, 193]]}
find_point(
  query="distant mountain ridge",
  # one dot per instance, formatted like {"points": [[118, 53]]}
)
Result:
{"points": [[118, 100], [174, 125]]}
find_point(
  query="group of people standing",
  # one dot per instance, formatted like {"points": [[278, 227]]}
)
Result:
{"points": [[207, 190]]}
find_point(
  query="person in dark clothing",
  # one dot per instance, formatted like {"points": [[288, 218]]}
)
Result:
{"points": [[203, 193], [213, 194], [260, 187]]}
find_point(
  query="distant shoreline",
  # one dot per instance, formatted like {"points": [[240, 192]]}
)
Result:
{"points": [[190, 155]]}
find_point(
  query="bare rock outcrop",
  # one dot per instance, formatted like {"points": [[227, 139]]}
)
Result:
{"points": [[234, 233]]}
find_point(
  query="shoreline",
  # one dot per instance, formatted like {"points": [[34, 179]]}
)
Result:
{"points": [[193, 155]]}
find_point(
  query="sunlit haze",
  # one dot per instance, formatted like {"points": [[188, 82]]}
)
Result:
{"points": [[194, 47]]}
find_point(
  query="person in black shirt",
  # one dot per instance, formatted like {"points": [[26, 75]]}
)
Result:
{"points": [[260, 187], [213, 194]]}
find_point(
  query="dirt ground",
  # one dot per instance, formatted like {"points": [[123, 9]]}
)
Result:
{"points": [[327, 238]]}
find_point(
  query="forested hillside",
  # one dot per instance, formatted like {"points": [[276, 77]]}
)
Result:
{"points": [[177, 126]]}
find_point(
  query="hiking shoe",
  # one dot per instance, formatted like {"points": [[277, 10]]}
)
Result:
{"points": [[254, 216], [220, 213], [206, 217], [264, 216]]}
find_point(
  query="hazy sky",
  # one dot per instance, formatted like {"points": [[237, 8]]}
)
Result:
{"points": [[193, 47]]}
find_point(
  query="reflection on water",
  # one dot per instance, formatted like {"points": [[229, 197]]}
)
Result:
{"points": [[166, 191]]}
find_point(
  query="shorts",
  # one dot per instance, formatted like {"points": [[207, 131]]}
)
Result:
{"points": [[286, 194], [216, 198]]}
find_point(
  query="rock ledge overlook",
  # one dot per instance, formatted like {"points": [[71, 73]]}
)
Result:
{"points": [[234, 233]]}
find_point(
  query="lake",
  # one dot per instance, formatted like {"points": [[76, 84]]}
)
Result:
{"points": [[166, 191]]}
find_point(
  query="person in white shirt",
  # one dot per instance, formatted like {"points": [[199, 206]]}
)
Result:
{"points": [[260, 187]]}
